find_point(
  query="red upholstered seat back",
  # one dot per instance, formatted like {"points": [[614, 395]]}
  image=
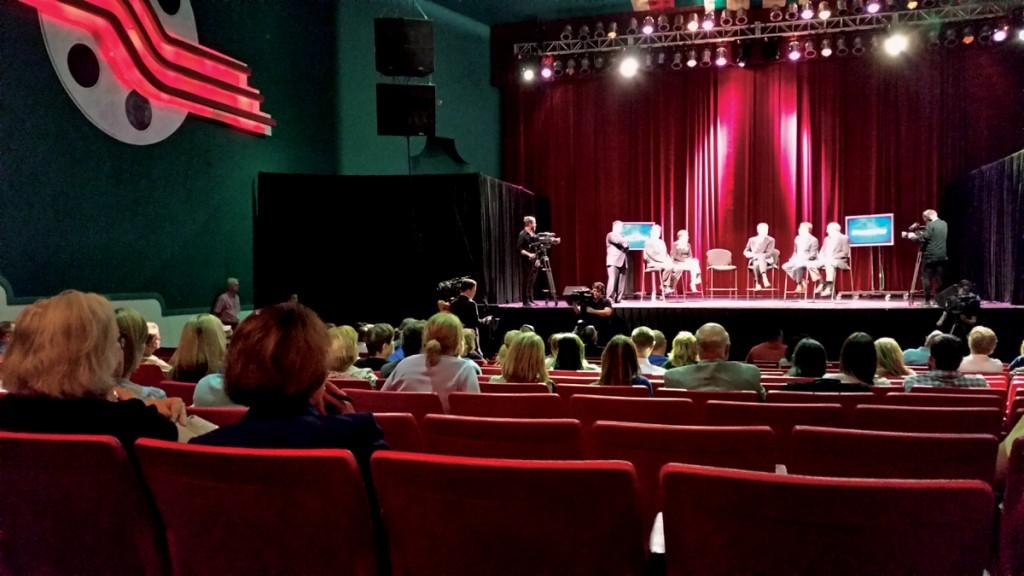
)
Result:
{"points": [[401, 431], [419, 404], [946, 400], [934, 420], [533, 439], [1011, 540], [507, 405], [567, 390], [219, 416], [781, 417], [183, 390], [147, 375], [513, 388], [674, 411]]}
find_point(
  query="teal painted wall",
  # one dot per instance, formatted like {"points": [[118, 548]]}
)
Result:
{"points": [[468, 110]]}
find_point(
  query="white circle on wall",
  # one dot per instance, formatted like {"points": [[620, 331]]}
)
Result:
{"points": [[112, 107]]}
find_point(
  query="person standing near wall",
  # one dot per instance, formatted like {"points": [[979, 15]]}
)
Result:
{"points": [[229, 306]]}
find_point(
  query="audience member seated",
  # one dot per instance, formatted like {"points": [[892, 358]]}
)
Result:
{"points": [[553, 341], [982, 342], [943, 367], [132, 335], [1018, 362], [643, 340], [619, 364], [920, 356], [6, 335], [399, 352], [890, 359], [412, 342], [715, 371], [438, 368], [658, 357], [787, 360], [809, 359], [524, 363], [152, 345], [857, 364], [343, 354], [201, 349], [505, 343], [61, 373], [591, 343], [769, 351], [469, 346], [380, 341], [570, 355], [276, 364], [684, 351]]}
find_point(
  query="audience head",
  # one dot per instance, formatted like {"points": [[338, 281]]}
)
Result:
{"points": [[590, 335], [762, 229], [858, 357], [524, 362], [505, 343], [643, 340], [809, 359], [412, 336], [67, 347], [442, 336], [202, 346], [527, 328], [232, 285], [380, 340], [776, 335], [931, 338], [619, 365], [468, 341], [277, 355], [570, 353], [553, 343], [152, 338], [6, 332], [660, 343], [684, 349], [133, 334], [890, 359], [468, 287], [712, 342], [833, 228], [982, 340], [946, 353], [343, 348]]}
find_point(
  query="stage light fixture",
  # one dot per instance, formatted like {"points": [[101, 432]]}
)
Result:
{"points": [[613, 30], [709, 21], [585, 69], [546, 72], [584, 32], [933, 39], [858, 46], [912, 4], [741, 54], [951, 38], [679, 23], [559, 68], [566, 33], [662, 56], [741, 17], [629, 66], [872, 7], [599, 62], [985, 36], [1020, 34], [806, 10], [968, 37], [824, 10], [721, 56], [841, 48], [648, 61], [794, 51], [890, 5], [570, 67], [896, 44], [810, 51], [775, 15], [858, 6], [599, 30], [705, 58], [663, 25], [691, 59], [648, 28], [529, 75], [826, 48], [1001, 33], [792, 11], [633, 27], [677, 61], [726, 18], [693, 22]]}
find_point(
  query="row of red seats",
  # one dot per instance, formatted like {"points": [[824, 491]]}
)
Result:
{"points": [[243, 511]]}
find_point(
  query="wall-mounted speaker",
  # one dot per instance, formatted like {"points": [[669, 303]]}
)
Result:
{"points": [[404, 47], [406, 109]]}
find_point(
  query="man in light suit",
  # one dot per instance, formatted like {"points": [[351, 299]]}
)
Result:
{"points": [[760, 251], [616, 261], [684, 258], [834, 255], [805, 251], [656, 257], [715, 371]]}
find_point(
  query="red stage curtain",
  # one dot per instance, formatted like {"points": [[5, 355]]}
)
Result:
{"points": [[717, 151]]}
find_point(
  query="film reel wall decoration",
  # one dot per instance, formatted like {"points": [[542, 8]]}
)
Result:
{"points": [[136, 69]]}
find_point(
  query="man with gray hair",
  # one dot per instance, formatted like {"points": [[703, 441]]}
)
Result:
{"points": [[919, 356], [932, 237], [229, 305], [715, 371]]}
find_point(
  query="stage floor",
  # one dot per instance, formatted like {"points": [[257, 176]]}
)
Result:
{"points": [[769, 304]]}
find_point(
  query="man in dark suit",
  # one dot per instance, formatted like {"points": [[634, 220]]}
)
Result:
{"points": [[715, 371], [528, 258], [932, 237], [834, 255], [616, 261], [465, 308], [760, 251]]}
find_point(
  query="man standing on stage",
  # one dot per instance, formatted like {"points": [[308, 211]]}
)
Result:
{"points": [[805, 250], [656, 257], [527, 238], [834, 255], [616, 261], [932, 237], [760, 251], [683, 256]]}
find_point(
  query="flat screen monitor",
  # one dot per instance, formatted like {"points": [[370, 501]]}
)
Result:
{"points": [[636, 233], [870, 230]]}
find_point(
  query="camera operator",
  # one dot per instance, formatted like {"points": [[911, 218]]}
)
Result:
{"points": [[465, 308], [593, 307], [528, 258], [962, 309]]}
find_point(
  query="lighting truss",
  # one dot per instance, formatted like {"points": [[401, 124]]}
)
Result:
{"points": [[966, 12]]}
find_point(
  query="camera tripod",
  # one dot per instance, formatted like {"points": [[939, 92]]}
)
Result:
{"points": [[544, 264]]}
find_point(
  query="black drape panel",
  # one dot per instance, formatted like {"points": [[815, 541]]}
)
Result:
{"points": [[985, 209], [504, 206]]}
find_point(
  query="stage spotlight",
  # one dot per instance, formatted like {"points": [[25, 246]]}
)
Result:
{"points": [[709, 21], [911, 4], [663, 25], [528, 74], [986, 34], [872, 7], [775, 15], [546, 72], [841, 48], [570, 67], [933, 39], [824, 10], [584, 32], [792, 11], [721, 56], [741, 17], [726, 18], [809, 49], [705, 58], [633, 27], [742, 54], [896, 44], [566, 33], [648, 28], [858, 46], [858, 6], [559, 68], [629, 66], [613, 29], [794, 51], [1020, 34], [806, 11], [1001, 33], [585, 66], [968, 37], [679, 23], [599, 30], [677, 61], [826, 48], [693, 23], [648, 61], [691, 59]]}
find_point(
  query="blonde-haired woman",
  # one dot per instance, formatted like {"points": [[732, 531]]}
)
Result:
{"points": [[890, 359], [438, 368], [201, 349], [343, 354], [684, 350], [133, 333], [61, 373], [525, 362], [506, 342]]}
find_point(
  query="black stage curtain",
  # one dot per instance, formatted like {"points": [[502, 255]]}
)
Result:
{"points": [[373, 248], [987, 208]]}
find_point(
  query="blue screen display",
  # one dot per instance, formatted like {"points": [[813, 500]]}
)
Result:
{"points": [[870, 230], [636, 233]]}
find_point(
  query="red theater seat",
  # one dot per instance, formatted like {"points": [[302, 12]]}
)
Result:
{"points": [[650, 446], [419, 404], [872, 454], [568, 390], [533, 439], [1011, 540], [1000, 392], [720, 521], [401, 431], [928, 420], [701, 397], [845, 399], [74, 504], [245, 511], [589, 409], [781, 417], [147, 375], [507, 405], [502, 388], [471, 517], [351, 383], [219, 416], [183, 390], [946, 400]]}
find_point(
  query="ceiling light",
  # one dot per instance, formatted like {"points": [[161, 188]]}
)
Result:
{"points": [[721, 56], [629, 66], [709, 21], [529, 75], [824, 10], [794, 51], [691, 59], [613, 29], [826, 48], [693, 23], [741, 17], [896, 44], [648, 28]]}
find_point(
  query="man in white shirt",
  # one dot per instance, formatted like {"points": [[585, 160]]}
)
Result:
{"points": [[643, 339], [656, 257], [229, 306], [982, 342]]}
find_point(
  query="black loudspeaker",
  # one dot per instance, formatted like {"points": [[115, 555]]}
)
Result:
{"points": [[406, 109], [404, 47]]}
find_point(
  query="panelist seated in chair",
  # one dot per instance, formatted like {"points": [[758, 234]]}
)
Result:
{"points": [[683, 256], [834, 255], [715, 371], [805, 252], [656, 257], [760, 251]]}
